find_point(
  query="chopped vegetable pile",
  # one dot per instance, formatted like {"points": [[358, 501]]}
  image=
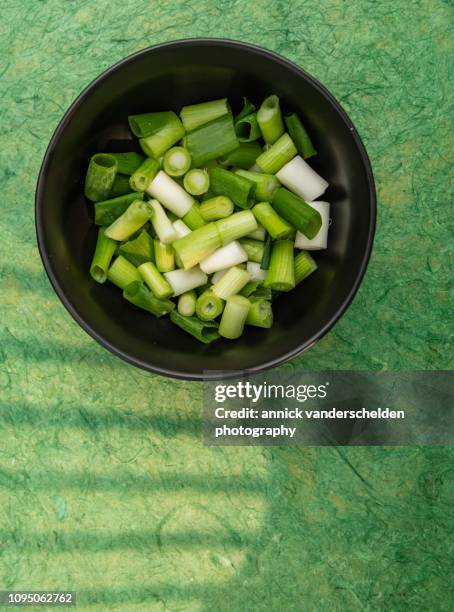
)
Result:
{"points": [[205, 224]]}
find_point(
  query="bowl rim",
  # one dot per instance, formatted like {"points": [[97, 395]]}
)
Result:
{"points": [[205, 375]]}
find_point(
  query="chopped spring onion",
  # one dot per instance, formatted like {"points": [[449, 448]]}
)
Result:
{"points": [[304, 265], [181, 228], [232, 282], [269, 118], [280, 153], [139, 250], [177, 161], [186, 303], [226, 256], [138, 294], [299, 136], [196, 246], [254, 249], [249, 289], [211, 140], [204, 331], [247, 109], [258, 234], [208, 305], [264, 293], [120, 186], [260, 313], [185, 280], [236, 226], [162, 224], [164, 256], [297, 212], [271, 221], [247, 128], [256, 272], [136, 215], [127, 163], [218, 275], [193, 218], [122, 273], [242, 157], [237, 188], [108, 210], [281, 273], [196, 181], [155, 280], [320, 240], [266, 185], [265, 263], [157, 131], [100, 176], [300, 178], [216, 208], [144, 174], [170, 194], [195, 115], [104, 251], [234, 317]]}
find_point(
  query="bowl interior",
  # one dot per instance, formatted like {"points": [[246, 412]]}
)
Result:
{"points": [[167, 77]]}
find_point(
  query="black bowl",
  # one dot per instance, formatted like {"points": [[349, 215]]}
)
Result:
{"points": [[165, 77]]}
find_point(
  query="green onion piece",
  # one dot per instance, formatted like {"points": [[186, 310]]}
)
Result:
{"points": [[249, 289], [139, 250], [107, 211], [155, 280], [104, 251], [301, 179], [164, 256], [232, 282], [321, 239], [185, 280], [269, 118], [266, 185], [297, 212], [120, 186], [211, 140], [186, 303], [266, 254], [181, 228], [281, 273], [127, 163], [196, 181], [142, 177], [299, 136], [247, 109], [149, 124], [136, 215], [100, 177], [138, 294], [260, 313], [226, 256], [257, 274], [304, 265], [276, 227], [165, 134], [242, 157], [196, 246], [258, 234], [193, 219], [247, 128], [122, 273], [208, 306], [205, 331], [237, 188], [236, 226], [162, 224], [234, 317], [177, 161], [264, 293], [216, 208], [253, 248], [195, 115], [280, 153], [170, 194]]}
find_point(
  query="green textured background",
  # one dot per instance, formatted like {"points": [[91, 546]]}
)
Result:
{"points": [[105, 487]]}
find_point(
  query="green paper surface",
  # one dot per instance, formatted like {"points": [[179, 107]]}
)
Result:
{"points": [[105, 486]]}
